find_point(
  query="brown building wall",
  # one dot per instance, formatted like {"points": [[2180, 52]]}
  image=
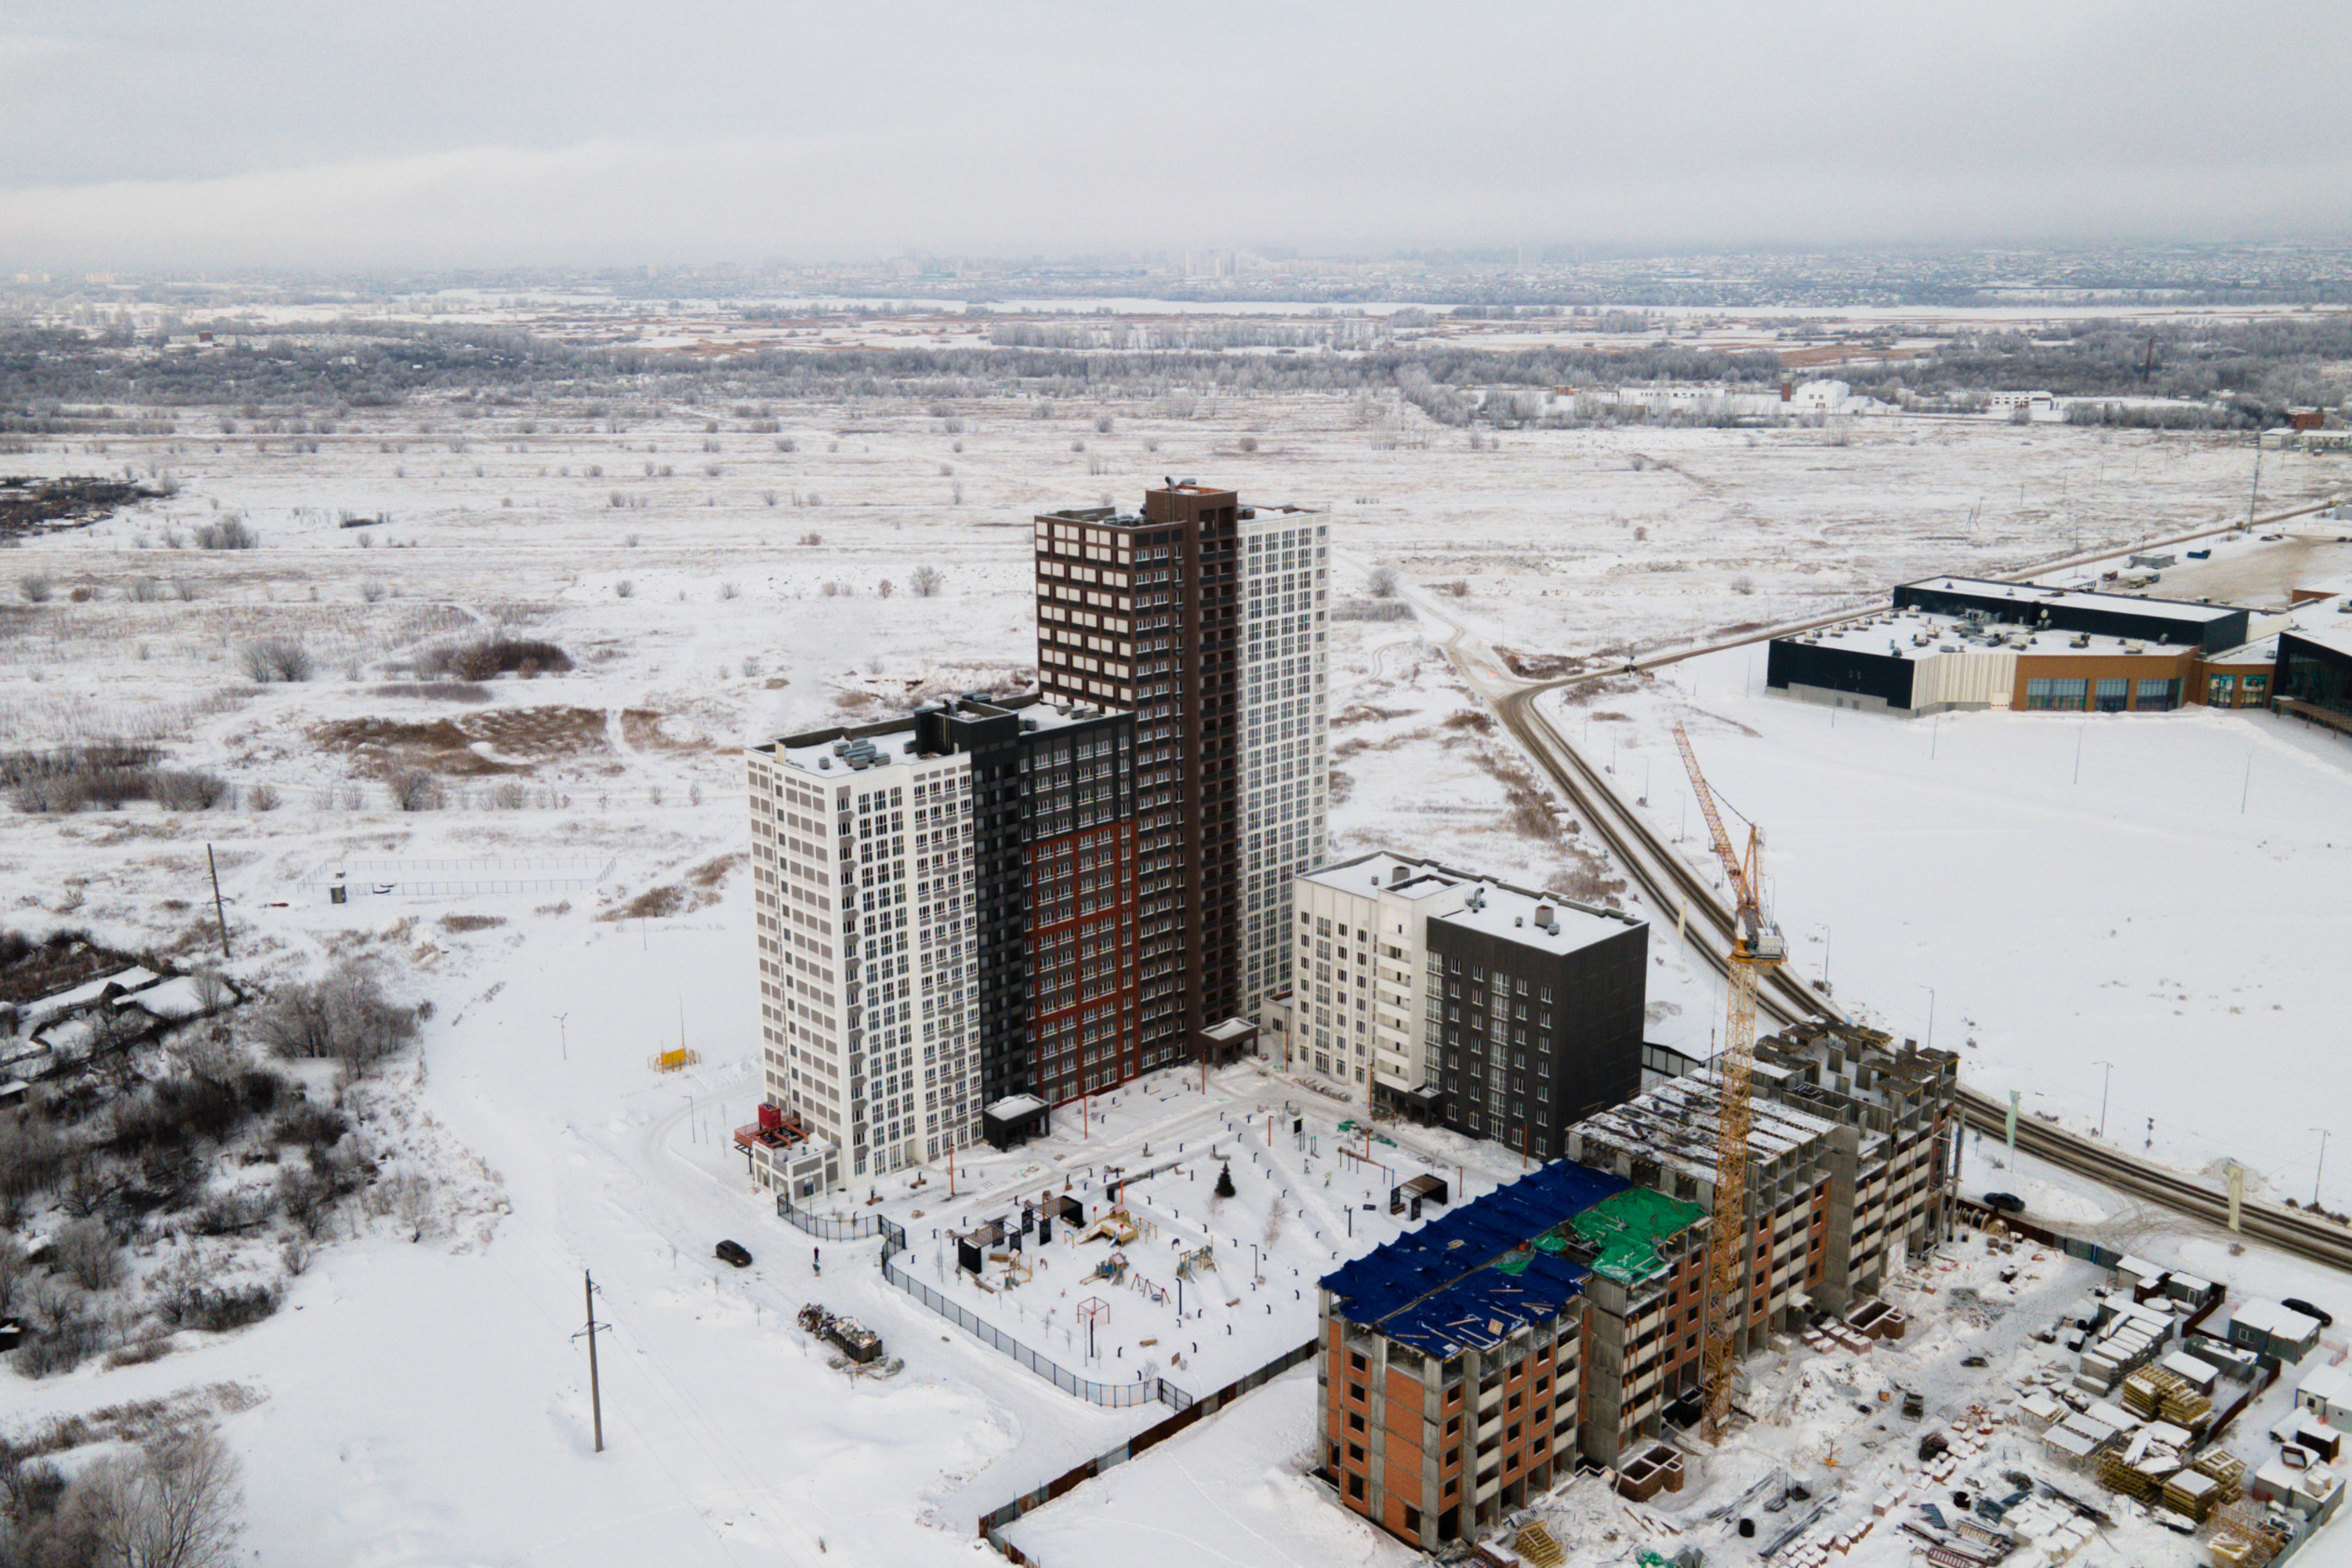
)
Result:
{"points": [[1081, 964], [2132, 668], [1143, 615]]}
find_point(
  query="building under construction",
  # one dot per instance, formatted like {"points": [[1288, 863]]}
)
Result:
{"points": [[1572, 1301]]}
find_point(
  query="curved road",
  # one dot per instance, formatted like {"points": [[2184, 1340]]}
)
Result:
{"points": [[1671, 882]]}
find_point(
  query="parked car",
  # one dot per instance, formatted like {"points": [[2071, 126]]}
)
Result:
{"points": [[2294, 1304], [2007, 1203], [733, 1252]]}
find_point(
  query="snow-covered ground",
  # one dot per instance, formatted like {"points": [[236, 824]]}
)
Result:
{"points": [[426, 1402], [2059, 892]]}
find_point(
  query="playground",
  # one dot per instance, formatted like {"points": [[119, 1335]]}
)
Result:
{"points": [[1175, 1229]]}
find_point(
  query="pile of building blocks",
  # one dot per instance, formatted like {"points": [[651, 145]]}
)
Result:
{"points": [[2160, 1393], [2120, 1336]]}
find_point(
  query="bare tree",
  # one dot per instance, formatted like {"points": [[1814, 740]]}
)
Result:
{"points": [[176, 1504], [276, 658], [344, 1015], [35, 587], [85, 1253], [925, 581], [1384, 583]]}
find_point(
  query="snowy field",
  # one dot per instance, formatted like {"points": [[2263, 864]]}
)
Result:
{"points": [[2137, 889], [426, 1402]]}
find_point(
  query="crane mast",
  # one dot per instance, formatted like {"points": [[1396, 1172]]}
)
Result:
{"points": [[1756, 946]]}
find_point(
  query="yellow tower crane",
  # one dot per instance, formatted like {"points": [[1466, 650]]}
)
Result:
{"points": [[1756, 946]]}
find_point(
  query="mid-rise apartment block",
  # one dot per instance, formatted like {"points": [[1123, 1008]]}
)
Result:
{"points": [[861, 874], [1499, 1011], [1457, 1364], [1149, 613], [1903, 1101]]}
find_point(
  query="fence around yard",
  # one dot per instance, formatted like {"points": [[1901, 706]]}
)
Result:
{"points": [[1112, 1396]]}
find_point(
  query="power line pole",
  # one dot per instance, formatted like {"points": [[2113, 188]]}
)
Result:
{"points": [[210, 864], [595, 1389]]}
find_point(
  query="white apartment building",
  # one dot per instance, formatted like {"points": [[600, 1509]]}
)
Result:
{"points": [[863, 880], [1356, 1012], [1285, 750]]}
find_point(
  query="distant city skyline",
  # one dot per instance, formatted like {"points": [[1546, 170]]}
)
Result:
{"points": [[599, 134]]}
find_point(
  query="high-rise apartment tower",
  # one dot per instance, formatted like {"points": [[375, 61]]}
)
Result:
{"points": [[1155, 614], [862, 872]]}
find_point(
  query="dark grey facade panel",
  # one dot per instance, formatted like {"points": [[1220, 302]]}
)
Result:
{"points": [[2312, 672], [2224, 628], [1532, 1082], [1787, 662]]}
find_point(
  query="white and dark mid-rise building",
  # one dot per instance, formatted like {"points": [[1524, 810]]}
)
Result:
{"points": [[1286, 782], [1499, 1011], [863, 875]]}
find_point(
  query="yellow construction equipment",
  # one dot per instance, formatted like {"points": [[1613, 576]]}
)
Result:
{"points": [[1756, 946]]}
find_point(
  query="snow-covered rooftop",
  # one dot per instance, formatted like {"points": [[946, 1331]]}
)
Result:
{"points": [[2027, 594], [1921, 634], [1675, 1124], [1544, 921]]}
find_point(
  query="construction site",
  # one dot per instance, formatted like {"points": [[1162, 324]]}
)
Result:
{"points": [[1751, 1318]]}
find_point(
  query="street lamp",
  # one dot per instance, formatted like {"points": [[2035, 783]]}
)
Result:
{"points": [[564, 1036], [1931, 1012], [2104, 1078], [2322, 1166], [1825, 959]]}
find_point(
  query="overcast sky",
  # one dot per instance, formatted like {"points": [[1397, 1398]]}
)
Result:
{"points": [[177, 135]]}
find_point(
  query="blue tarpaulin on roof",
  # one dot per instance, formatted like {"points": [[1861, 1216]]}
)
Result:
{"points": [[1441, 1288]]}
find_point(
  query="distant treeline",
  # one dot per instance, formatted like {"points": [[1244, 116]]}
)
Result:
{"points": [[56, 381]]}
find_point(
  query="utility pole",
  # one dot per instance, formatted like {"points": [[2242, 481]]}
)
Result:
{"points": [[2320, 1167], [564, 1036], [2104, 1079], [595, 1389], [217, 914], [2254, 498]]}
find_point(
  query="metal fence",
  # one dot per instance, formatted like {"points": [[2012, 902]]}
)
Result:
{"points": [[828, 1227], [993, 1523], [1115, 1396]]}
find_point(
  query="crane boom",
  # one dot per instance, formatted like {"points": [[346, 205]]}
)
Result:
{"points": [[1756, 945]]}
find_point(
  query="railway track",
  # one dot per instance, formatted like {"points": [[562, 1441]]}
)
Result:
{"points": [[1671, 882]]}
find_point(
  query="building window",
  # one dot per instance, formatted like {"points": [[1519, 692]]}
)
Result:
{"points": [[2113, 694], [2070, 695]]}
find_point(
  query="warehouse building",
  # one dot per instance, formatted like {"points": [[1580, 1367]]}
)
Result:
{"points": [[1958, 645], [2211, 627]]}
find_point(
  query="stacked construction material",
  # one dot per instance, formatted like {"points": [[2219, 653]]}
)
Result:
{"points": [[2190, 1493], [1534, 1544], [2158, 1393], [2226, 1468]]}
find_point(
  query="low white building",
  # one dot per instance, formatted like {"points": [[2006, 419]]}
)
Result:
{"points": [[2327, 1392]]}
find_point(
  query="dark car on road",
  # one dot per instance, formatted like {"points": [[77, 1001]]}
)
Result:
{"points": [[2296, 1304], [733, 1252], [2007, 1203]]}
